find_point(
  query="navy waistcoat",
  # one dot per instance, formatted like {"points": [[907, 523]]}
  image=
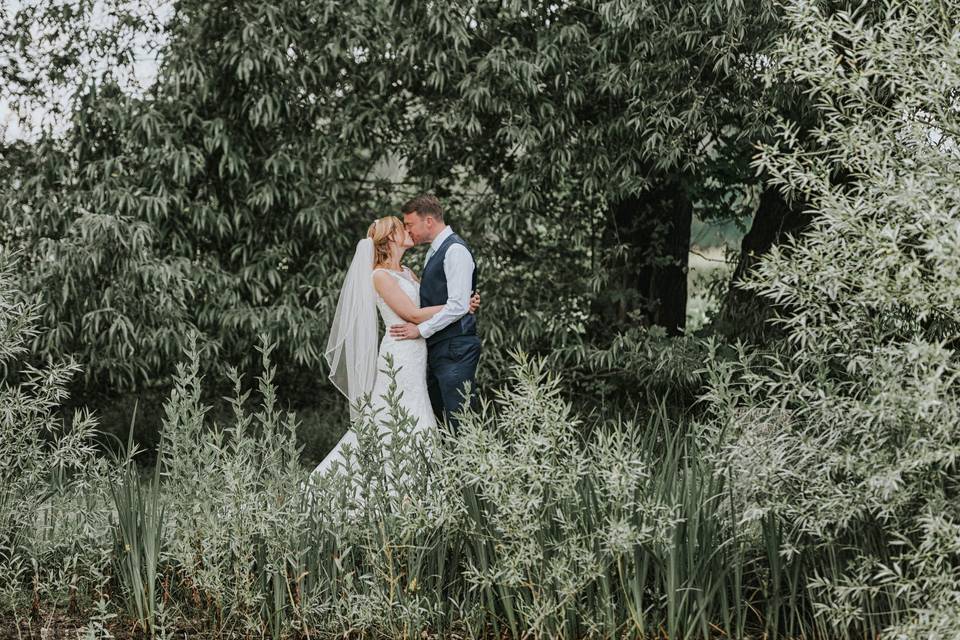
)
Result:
{"points": [[433, 291]]}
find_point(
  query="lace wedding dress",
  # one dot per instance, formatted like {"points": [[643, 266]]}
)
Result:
{"points": [[410, 366]]}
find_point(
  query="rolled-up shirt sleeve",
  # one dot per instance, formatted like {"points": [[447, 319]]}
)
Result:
{"points": [[458, 267]]}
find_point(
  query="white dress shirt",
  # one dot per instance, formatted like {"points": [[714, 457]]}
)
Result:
{"points": [[458, 267]]}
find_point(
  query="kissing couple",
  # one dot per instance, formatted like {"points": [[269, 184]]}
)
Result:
{"points": [[431, 329]]}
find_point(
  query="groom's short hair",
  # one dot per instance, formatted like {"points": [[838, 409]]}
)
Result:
{"points": [[424, 205]]}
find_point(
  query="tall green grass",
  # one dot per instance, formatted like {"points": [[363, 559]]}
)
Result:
{"points": [[138, 530], [138, 533]]}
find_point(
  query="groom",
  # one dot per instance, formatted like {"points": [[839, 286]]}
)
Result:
{"points": [[449, 276]]}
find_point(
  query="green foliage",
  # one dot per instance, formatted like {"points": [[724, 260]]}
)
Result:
{"points": [[617, 533], [234, 500], [138, 535], [201, 205], [225, 198], [655, 367], [847, 435], [519, 525], [581, 97], [40, 458]]}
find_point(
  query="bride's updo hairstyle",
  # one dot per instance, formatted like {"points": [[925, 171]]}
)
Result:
{"points": [[381, 232]]}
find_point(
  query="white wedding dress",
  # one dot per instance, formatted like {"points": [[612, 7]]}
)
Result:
{"points": [[410, 365]]}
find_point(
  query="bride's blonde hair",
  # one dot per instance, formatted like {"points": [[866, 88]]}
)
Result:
{"points": [[381, 232]]}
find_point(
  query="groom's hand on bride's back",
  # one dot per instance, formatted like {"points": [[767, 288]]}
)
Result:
{"points": [[474, 302], [405, 331]]}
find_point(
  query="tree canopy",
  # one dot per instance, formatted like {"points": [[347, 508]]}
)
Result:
{"points": [[573, 142]]}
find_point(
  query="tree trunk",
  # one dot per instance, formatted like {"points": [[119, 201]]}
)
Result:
{"points": [[668, 287], [649, 278], [744, 312]]}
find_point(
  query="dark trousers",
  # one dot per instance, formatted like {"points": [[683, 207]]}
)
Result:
{"points": [[451, 365]]}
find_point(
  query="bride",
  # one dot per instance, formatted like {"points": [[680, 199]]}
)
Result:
{"points": [[376, 281]]}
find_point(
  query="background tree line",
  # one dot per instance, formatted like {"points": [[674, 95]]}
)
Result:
{"points": [[572, 142]]}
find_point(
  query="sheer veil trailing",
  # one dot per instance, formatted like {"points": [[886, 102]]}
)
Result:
{"points": [[352, 346]]}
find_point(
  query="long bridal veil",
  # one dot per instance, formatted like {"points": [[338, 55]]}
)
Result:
{"points": [[352, 346]]}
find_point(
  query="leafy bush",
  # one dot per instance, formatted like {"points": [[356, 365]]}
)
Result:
{"points": [[520, 525], [848, 435], [640, 367], [52, 485], [234, 499]]}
